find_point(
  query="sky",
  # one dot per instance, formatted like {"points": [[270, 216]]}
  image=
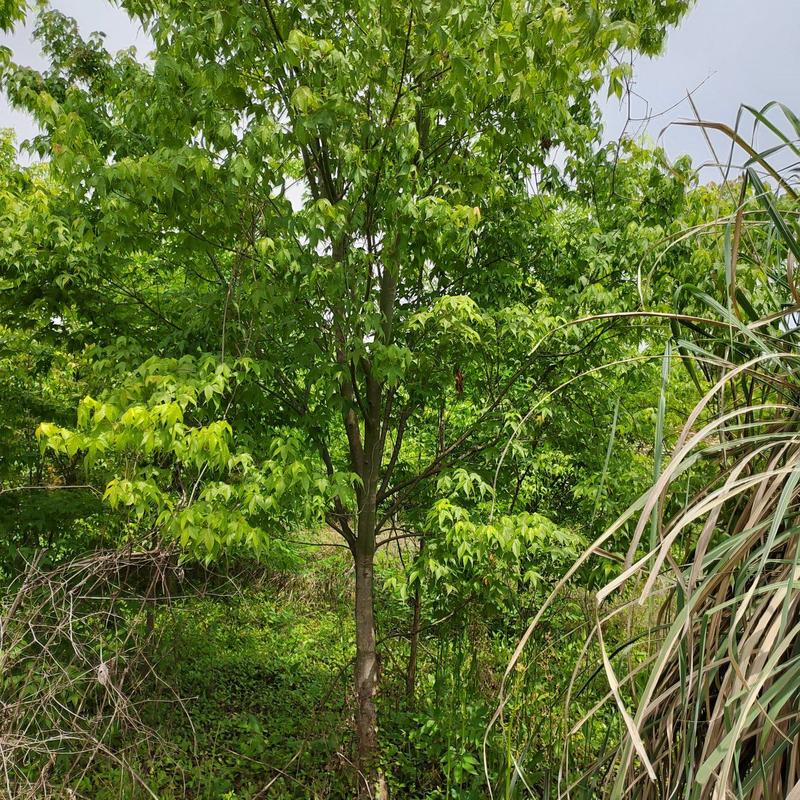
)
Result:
{"points": [[726, 52]]}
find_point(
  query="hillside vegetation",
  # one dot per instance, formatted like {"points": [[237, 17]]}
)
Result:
{"points": [[370, 428]]}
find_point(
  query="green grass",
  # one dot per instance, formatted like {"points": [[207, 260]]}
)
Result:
{"points": [[246, 691], [264, 682]]}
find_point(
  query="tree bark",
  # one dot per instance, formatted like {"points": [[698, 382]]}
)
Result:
{"points": [[411, 668], [366, 457], [371, 783]]}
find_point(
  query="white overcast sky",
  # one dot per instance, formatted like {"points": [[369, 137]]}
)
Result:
{"points": [[727, 52]]}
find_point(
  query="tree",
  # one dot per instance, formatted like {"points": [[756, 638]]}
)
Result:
{"points": [[11, 11], [337, 187]]}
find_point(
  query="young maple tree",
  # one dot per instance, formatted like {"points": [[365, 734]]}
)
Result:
{"points": [[292, 237]]}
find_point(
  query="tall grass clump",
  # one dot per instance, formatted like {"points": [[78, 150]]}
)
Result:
{"points": [[701, 687]]}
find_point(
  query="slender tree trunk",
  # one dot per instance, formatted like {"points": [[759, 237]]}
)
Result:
{"points": [[411, 668], [366, 455], [370, 780]]}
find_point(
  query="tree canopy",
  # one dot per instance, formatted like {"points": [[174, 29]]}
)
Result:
{"points": [[362, 271]]}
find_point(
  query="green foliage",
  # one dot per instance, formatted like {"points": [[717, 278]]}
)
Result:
{"points": [[252, 686], [246, 664], [308, 272], [11, 11], [244, 690], [384, 279], [492, 564], [182, 478]]}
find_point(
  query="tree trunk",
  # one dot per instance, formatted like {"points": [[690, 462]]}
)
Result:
{"points": [[411, 667], [366, 456], [371, 783]]}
